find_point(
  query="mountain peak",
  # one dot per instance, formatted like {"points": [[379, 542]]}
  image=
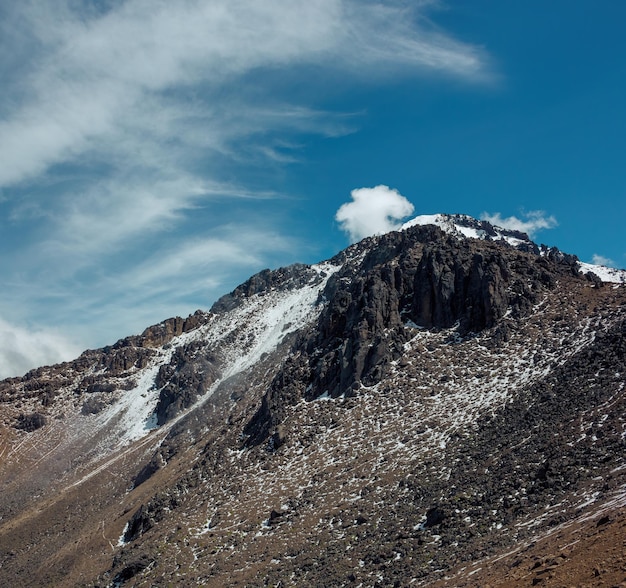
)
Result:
{"points": [[464, 226]]}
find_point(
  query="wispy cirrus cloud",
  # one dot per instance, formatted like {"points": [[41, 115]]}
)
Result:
{"points": [[131, 123], [183, 270], [156, 67], [531, 223]]}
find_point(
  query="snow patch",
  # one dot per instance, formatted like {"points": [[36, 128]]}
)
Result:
{"points": [[121, 541], [133, 414], [606, 274]]}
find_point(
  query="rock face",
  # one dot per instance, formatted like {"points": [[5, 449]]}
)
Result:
{"points": [[285, 278], [173, 327], [187, 377], [419, 402], [421, 276]]}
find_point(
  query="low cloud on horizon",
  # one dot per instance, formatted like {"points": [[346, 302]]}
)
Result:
{"points": [[22, 348]]}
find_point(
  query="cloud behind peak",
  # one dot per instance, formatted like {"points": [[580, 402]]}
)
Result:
{"points": [[373, 211]]}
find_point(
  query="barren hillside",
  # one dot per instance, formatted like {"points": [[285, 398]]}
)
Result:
{"points": [[438, 406]]}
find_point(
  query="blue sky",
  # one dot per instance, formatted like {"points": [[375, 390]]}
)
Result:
{"points": [[155, 154]]}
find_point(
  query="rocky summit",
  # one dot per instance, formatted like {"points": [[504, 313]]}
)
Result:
{"points": [[438, 406]]}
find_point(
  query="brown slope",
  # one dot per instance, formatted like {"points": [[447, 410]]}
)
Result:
{"points": [[354, 479], [587, 552]]}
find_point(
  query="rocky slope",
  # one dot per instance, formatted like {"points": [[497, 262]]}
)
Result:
{"points": [[425, 400]]}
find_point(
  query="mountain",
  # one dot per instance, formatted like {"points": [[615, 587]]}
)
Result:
{"points": [[441, 405]]}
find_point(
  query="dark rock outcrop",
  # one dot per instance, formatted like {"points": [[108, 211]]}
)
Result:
{"points": [[170, 328], [31, 422], [183, 380], [132, 569], [388, 285]]}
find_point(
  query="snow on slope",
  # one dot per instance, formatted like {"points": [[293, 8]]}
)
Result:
{"points": [[266, 320], [132, 414], [444, 222], [240, 337], [606, 274]]}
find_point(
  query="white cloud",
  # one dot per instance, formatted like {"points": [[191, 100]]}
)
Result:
{"points": [[373, 211], [601, 260], [389, 33], [111, 212], [533, 221], [22, 349]]}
